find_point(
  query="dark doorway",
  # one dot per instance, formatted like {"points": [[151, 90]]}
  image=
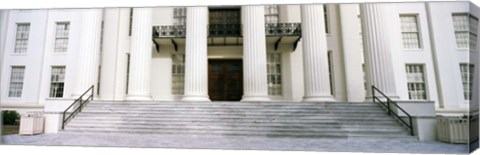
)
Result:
{"points": [[225, 80]]}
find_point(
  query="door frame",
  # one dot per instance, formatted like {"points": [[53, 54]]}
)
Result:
{"points": [[225, 59]]}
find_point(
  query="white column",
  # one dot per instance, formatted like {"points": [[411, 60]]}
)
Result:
{"points": [[110, 51], [140, 55], [196, 61], [315, 55], [378, 57], [352, 55], [89, 50], [254, 55]]}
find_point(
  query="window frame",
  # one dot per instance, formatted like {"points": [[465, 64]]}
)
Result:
{"points": [[418, 32], [425, 81], [53, 93], [180, 16], [22, 81], [268, 14], [177, 74], [17, 43], [56, 45], [470, 74], [274, 89]]}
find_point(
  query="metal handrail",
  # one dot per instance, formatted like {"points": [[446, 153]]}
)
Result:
{"points": [[79, 108], [389, 111]]}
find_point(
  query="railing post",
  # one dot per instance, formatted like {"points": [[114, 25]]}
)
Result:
{"points": [[411, 125], [388, 106], [63, 121], [93, 90], [373, 94]]}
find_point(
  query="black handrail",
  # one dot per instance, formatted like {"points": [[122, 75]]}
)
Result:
{"points": [[79, 108], [389, 111]]}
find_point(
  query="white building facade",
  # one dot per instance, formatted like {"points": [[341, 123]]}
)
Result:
{"points": [[413, 52]]}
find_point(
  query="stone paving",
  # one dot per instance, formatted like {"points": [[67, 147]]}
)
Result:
{"points": [[235, 143]]}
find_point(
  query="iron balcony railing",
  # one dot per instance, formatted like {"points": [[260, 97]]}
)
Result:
{"points": [[228, 30], [169, 31], [283, 29]]}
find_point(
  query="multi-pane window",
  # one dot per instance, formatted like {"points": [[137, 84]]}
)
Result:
{"points": [[274, 73], [330, 72], [57, 81], [16, 81], [180, 16], [465, 27], [416, 82], [467, 80], [473, 32], [178, 73], [130, 22], [271, 14], [61, 36], [325, 16], [21, 39], [410, 31]]}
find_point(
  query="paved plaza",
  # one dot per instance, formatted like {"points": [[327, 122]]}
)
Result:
{"points": [[236, 143]]}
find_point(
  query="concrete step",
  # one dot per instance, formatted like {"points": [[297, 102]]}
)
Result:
{"points": [[275, 119], [325, 134], [265, 127], [251, 124], [235, 110], [221, 114], [207, 120], [231, 117]]}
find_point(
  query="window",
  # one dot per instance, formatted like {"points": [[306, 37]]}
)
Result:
{"points": [[465, 27], [57, 81], [274, 73], [21, 40], [271, 14], [180, 16], [410, 31], [178, 73], [98, 79], [473, 32], [16, 81], [467, 80], [61, 36], [416, 82], [130, 22], [330, 72], [325, 16]]}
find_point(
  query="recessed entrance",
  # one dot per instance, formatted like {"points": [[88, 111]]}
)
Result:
{"points": [[225, 80]]}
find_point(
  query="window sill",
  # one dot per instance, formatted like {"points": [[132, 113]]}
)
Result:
{"points": [[19, 54], [60, 53], [413, 50]]}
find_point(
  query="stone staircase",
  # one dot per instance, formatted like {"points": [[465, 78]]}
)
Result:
{"points": [[319, 120]]}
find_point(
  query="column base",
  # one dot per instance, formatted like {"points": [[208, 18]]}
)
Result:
{"points": [[318, 99], [251, 98], [201, 98], [138, 98]]}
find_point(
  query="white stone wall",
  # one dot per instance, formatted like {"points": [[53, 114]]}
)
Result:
{"points": [[446, 55], [438, 53]]}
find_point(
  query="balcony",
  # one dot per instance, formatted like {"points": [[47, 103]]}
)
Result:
{"points": [[228, 34]]}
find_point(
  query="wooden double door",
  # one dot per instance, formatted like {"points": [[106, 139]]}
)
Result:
{"points": [[225, 80]]}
